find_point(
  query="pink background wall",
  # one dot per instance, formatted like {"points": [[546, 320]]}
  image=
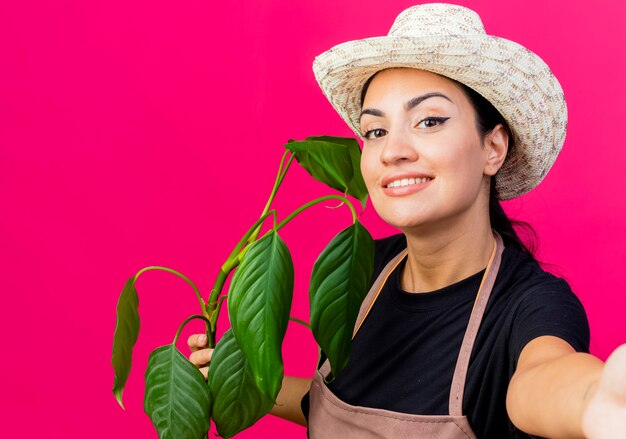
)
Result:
{"points": [[149, 132]]}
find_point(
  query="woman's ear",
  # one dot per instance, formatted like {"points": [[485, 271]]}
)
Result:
{"points": [[496, 144]]}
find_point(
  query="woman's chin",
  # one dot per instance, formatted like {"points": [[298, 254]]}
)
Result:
{"points": [[407, 222]]}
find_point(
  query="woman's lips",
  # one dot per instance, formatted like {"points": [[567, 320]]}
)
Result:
{"points": [[398, 187]]}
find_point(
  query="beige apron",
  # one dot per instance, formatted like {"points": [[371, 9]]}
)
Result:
{"points": [[330, 417]]}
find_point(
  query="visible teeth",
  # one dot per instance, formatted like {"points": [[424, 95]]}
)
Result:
{"points": [[407, 181]]}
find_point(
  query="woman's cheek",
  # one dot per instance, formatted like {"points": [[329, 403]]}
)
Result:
{"points": [[366, 170], [368, 167]]}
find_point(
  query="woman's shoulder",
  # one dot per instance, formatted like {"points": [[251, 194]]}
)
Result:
{"points": [[523, 272], [538, 302], [522, 280]]}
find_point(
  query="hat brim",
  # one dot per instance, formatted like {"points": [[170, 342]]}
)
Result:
{"points": [[515, 80]]}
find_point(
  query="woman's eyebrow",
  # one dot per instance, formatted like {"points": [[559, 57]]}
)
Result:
{"points": [[409, 105], [418, 100]]}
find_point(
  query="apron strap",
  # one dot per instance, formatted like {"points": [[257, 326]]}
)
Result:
{"points": [[369, 300], [462, 364]]}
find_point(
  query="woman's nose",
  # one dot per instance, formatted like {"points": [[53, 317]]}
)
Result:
{"points": [[397, 148]]}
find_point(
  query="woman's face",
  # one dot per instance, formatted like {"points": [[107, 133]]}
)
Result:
{"points": [[423, 159]]}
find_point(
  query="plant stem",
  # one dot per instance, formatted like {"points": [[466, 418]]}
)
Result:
{"points": [[280, 176], [182, 276], [302, 322], [300, 209], [216, 313], [212, 307], [187, 320], [276, 183], [231, 263]]}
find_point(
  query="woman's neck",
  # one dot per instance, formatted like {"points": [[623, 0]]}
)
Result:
{"points": [[445, 255]]}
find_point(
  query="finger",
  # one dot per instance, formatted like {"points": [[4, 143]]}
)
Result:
{"points": [[205, 372], [201, 357], [196, 341]]}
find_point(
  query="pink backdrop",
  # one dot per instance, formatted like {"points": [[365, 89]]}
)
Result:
{"points": [[149, 132]]}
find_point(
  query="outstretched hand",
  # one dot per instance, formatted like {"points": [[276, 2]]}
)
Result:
{"points": [[200, 356], [605, 416]]}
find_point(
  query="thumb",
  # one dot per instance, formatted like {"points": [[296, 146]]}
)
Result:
{"points": [[613, 380]]}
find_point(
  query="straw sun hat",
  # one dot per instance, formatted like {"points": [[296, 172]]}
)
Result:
{"points": [[450, 40]]}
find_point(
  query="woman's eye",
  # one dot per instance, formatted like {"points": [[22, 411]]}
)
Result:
{"points": [[431, 122], [374, 134]]}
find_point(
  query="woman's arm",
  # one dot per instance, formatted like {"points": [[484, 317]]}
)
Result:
{"points": [[289, 397], [288, 400], [553, 386]]}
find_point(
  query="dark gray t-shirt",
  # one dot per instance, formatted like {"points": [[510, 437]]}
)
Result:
{"points": [[403, 357]]}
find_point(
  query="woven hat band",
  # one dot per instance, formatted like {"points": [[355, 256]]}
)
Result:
{"points": [[437, 19]]}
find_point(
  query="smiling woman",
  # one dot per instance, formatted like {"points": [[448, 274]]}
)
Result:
{"points": [[432, 136], [430, 119], [462, 333]]}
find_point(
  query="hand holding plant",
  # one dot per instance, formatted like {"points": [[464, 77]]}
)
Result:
{"points": [[246, 368]]}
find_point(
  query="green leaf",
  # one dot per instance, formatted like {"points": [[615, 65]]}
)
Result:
{"points": [[237, 401], [258, 305], [356, 186], [177, 398], [327, 162], [340, 280], [125, 336]]}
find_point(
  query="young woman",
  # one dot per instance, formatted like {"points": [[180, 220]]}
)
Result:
{"points": [[462, 334]]}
